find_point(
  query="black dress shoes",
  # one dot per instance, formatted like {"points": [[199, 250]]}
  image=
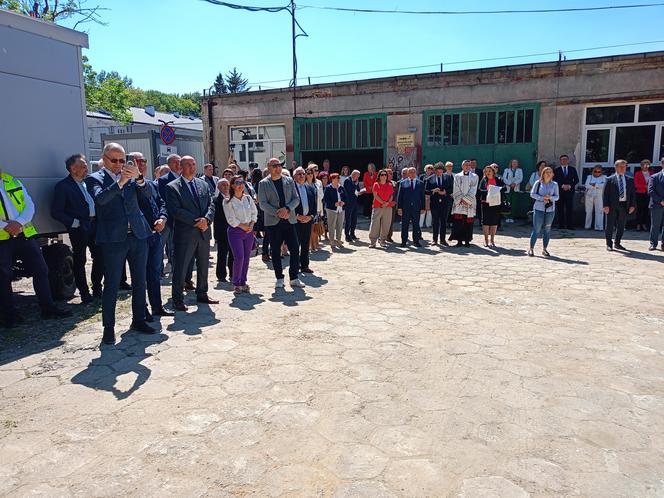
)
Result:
{"points": [[125, 286], [444, 243], [189, 285], [417, 244], [206, 300], [163, 312], [148, 317], [180, 307], [306, 270], [142, 327], [109, 335], [55, 312], [86, 298], [619, 246]]}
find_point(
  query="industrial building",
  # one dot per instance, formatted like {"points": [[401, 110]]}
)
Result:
{"points": [[595, 110]]}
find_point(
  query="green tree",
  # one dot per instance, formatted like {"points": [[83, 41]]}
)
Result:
{"points": [[104, 75], [220, 85], [235, 82], [56, 10]]}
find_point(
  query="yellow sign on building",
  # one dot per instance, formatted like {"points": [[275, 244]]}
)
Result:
{"points": [[404, 140]]}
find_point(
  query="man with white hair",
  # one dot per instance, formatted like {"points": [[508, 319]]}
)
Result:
{"points": [[122, 233], [305, 213], [352, 189]]}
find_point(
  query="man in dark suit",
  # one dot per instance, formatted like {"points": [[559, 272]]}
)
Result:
{"points": [[410, 204], [619, 200], [656, 192], [305, 212], [189, 202], [210, 179], [122, 233], [74, 207], [567, 178], [224, 254], [352, 188], [153, 208], [173, 163], [439, 186]]}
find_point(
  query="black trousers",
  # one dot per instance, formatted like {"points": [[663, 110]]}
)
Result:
{"points": [[642, 210], [303, 238], [29, 252], [280, 233], [439, 214], [615, 220], [82, 240], [565, 210], [224, 257], [350, 219], [184, 252]]}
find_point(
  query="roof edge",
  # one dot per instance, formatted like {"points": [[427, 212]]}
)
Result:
{"points": [[43, 28]]}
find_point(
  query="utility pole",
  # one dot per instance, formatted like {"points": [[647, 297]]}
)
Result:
{"points": [[292, 9]]}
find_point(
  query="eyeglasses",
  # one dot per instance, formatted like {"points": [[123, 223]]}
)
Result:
{"points": [[238, 182], [142, 161], [116, 161], [299, 174]]}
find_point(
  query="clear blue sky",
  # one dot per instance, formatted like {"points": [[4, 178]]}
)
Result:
{"points": [[180, 45]]}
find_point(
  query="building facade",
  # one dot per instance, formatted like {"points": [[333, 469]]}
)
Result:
{"points": [[595, 110]]}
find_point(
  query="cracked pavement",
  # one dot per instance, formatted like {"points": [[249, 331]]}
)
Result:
{"points": [[462, 374]]}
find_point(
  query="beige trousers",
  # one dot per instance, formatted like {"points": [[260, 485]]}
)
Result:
{"points": [[381, 221]]}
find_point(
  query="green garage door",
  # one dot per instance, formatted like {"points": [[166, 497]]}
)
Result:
{"points": [[488, 134]]}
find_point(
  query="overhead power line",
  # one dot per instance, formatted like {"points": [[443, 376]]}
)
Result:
{"points": [[470, 61], [481, 12], [247, 7]]}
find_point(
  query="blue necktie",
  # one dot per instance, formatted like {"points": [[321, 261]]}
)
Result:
{"points": [[194, 193], [621, 187]]}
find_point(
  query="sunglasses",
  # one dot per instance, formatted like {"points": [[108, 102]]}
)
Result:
{"points": [[116, 161], [299, 174], [142, 161], [238, 182]]}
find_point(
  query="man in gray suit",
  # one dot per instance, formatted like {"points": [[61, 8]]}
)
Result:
{"points": [[189, 202], [277, 197]]}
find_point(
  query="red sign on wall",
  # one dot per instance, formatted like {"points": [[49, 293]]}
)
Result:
{"points": [[167, 134]]}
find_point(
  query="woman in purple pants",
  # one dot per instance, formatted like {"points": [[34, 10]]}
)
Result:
{"points": [[241, 214]]}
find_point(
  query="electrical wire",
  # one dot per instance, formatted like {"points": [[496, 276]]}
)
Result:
{"points": [[247, 7], [480, 12], [454, 63]]}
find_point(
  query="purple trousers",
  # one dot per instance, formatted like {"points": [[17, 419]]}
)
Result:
{"points": [[241, 243]]}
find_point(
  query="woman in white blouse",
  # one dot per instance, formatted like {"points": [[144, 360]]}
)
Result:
{"points": [[594, 191], [535, 175], [241, 214]]}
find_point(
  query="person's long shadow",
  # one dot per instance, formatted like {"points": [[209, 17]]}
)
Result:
{"points": [[565, 260], [321, 255], [642, 255], [314, 281], [289, 298], [122, 359], [192, 322], [246, 302]]}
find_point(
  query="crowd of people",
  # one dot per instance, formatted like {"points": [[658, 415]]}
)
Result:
{"points": [[121, 217]]}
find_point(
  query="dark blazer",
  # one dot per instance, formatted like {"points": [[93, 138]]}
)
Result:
{"points": [[656, 189], [162, 184], [212, 183], [411, 198], [152, 206], [611, 193], [70, 204], [220, 223], [350, 188], [330, 197], [117, 208], [447, 184], [572, 178], [312, 194], [483, 189], [185, 210]]}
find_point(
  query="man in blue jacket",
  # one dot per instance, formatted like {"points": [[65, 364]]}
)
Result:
{"points": [[352, 190], [153, 208], [122, 233], [410, 204], [74, 207], [656, 192]]}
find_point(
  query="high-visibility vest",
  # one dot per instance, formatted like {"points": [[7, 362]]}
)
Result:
{"points": [[14, 190]]}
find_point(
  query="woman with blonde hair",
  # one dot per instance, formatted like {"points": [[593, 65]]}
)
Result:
{"points": [[546, 193]]}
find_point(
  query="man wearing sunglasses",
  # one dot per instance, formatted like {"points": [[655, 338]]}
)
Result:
{"points": [[122, 233]]}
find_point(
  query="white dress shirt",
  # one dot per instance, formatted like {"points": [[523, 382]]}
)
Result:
{"points": [[304, 199], [511, 176], [240, 211], [12, 214], [88, 198], [621, 180]]}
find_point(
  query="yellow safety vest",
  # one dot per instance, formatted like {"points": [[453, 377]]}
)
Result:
{"points": [[14, 190]]}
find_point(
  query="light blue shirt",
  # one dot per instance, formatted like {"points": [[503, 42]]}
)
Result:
{"points": [[304, 200], [88, 198], [539, 190]]}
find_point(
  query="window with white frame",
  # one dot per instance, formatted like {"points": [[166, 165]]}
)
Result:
{"points": [[623, 131], [255, 144]]}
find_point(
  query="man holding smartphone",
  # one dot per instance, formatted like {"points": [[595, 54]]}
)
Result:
{"points": [[122, 233]]}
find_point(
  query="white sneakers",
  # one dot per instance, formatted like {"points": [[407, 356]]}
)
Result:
{"points": [[297, 283]]}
